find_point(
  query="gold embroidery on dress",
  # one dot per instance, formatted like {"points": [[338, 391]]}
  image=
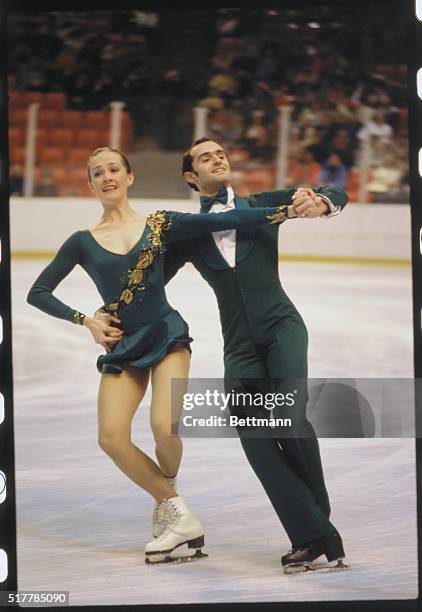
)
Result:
{"points": [[78, 318], [158, 223], [126, 296]]}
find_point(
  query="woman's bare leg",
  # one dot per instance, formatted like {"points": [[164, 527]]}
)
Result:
{"points": [[169, 446], [118, 399]]}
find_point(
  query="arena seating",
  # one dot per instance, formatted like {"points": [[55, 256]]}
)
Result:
{"points": [[64, 138]]}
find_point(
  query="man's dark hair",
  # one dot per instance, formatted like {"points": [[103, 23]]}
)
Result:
{"points": [[187, 159]]}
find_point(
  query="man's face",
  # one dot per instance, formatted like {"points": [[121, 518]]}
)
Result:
{"points": [[211, 168]]}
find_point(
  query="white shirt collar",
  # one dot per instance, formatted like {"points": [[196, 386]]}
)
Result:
{"points": [[230, 195]]}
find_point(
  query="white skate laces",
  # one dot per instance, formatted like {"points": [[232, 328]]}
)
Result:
{"points": [[168, 515], [159, 514]]}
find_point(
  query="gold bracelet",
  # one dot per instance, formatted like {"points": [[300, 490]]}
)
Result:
{"points": [[280, 216], [78, 318]]}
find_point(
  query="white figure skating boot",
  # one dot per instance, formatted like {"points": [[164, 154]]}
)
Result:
{"points": [[183, 528], [159, 515]]}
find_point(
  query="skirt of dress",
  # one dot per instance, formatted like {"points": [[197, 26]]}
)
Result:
{"points": [[147, 345]]}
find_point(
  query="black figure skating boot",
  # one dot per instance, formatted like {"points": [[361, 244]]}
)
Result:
{"points": [[308, 557]]}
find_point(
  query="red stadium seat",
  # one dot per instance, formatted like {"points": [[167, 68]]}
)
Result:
{"points": [[51, 156], [77, 180], [42, 137], [34, 96], [78, 174], [71, 119], [127, 120], [61, 137], [78, 156], [55, 99], [127, 131], [48, 117], [17, 136], [58, 173], [92, 138], [74, 185], [17, 155], [96, 119], [18, 117], [16, 99]]}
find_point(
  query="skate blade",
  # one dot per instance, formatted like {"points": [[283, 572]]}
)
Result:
{"points": [[169, 558], [321, 567]]}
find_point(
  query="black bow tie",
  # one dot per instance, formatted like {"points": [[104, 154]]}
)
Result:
{"points": [[208, 201]]}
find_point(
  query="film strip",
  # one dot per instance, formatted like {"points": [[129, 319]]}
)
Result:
{"points": [[8, 566], [415, 176]]}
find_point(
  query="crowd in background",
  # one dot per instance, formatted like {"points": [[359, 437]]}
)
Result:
{"points": [[90, 56], [342, 82], [338, 96]]}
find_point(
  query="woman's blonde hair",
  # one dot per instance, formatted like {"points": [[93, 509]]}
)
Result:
{"points": [[123, 157]]}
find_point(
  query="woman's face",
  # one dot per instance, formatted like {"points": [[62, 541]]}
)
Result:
{"points": [[109, 177]]}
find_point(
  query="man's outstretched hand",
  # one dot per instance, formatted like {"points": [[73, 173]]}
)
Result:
{"points": [[306, 203]]}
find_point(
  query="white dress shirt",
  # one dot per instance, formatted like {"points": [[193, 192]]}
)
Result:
{"points": [[226, 239]]}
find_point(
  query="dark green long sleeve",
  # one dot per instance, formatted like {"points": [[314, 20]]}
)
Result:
{"points": [[41, 293], [189, 225], [284, 196]]}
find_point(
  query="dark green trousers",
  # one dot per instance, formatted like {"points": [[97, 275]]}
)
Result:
{"points": [[287, 465]]}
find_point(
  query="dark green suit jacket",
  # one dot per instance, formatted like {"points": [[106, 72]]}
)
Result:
{"points": [[251, 301]]}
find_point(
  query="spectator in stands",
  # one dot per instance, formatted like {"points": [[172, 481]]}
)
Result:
{"points": [[46, 188], [268, 66], [310, 117], [223, 84], [90, 48], [147, 22], [16, 180], [333, 171], [304, 170], [137, 79], [228, 22], [212, 101], [31, 75], [260, 98], [343, 146], [48, 43], [257, 137], [386, 179], [226, 123], [377, 129], [227, 49]]}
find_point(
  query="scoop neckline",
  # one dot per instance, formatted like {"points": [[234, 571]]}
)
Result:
{"points": [[113, 252]]}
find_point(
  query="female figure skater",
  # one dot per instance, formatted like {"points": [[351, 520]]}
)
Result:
{"points": [[124, 256]]}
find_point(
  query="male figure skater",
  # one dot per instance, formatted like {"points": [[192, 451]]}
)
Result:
{"points": [[265, 339]]}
